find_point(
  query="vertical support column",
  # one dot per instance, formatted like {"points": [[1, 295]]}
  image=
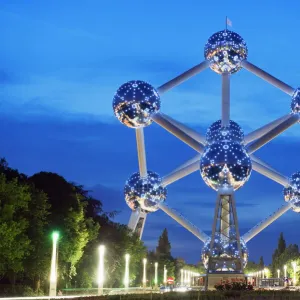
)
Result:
{"points": [[225, 217], [137, 221], [225, 99], [140, 141]]}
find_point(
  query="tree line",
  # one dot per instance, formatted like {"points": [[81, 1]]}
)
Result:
{"points": [[32, 207]]}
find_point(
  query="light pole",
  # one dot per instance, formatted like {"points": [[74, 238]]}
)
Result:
{"points": [[155, 274], [101, 269], [126, 277], [53, 268], [278, 273], [144, 272], [294, 269], [285, 275], [165, 275], [181, 276]]}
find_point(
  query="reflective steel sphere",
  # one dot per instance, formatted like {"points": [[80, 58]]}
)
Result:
{"points": [[225, 164], [225, 50], [217, 133], [224, 251], [146, 192], [135, 102], [292, 193], [295, 105]]}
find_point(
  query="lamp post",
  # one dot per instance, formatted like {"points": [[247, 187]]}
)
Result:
{"points": [[53, 268], [294, 269], [181, 276], [144, 272], [126, 276], [285, 275], [101, 269], [155, 274], [165, 275], [278, 273]]}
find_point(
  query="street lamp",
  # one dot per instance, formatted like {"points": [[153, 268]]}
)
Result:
{"points": [[181, 276], [278, 272], [101, 269], [294, 269], [155, 274], [53, 268], [144, 272], [126, 277], [165, 275], [285, 275]]}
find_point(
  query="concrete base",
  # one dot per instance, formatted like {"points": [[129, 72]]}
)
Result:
{"points": [[214, 278]]}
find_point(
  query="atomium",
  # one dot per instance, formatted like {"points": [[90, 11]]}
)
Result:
{"points": [[144, 192], [134, 103], [225, 50], [292, 193], [216, 132], [295, 104], [225, 164], [225, 251]]}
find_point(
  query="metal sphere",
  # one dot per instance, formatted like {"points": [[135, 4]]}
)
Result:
{"points": [[146, 192], [292, 193], [225, 50], [134, 103], [225, 164], [225, 251], [216, 132], [295, 104]]}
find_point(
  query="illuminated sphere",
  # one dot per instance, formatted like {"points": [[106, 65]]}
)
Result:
{"points": [[295, 105], [135, 102], [145, 192], [292, 193], [216, 132], [224, 251], [225, 164], [225, 50]]}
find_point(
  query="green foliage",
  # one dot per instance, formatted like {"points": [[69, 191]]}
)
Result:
{"points": [[164, 247]]}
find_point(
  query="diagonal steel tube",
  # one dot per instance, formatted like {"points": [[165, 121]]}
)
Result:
{"points": [[267, 77], [184, 222], [183, 77], [265, 223], [293, 118], [254, 135], [163, 122], [141, 151], [180, 173], [189, 131], [273, 175]]}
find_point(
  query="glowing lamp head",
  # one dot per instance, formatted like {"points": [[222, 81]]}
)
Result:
{"points": [[225, 50], [145, 261], [55, 236], [294, 264], [134, 103], [295, 104], [285, 267], [127, 256]]}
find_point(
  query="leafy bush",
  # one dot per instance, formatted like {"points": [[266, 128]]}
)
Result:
{"points": [[234, 285]]}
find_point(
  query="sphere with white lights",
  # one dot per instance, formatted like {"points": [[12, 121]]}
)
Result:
{"points": [[225, 164], [295, 105], [134, 103], [216, 132], [226, 251], [292, 193], [225, 51], [146, 192]]}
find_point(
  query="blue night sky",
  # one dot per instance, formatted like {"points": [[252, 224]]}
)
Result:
{"points": [[62, 61]]}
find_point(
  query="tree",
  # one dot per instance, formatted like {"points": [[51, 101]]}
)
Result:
{"points": [[164, 246], [261, 263], [281, 244], [67, 215], [15, 243]]}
